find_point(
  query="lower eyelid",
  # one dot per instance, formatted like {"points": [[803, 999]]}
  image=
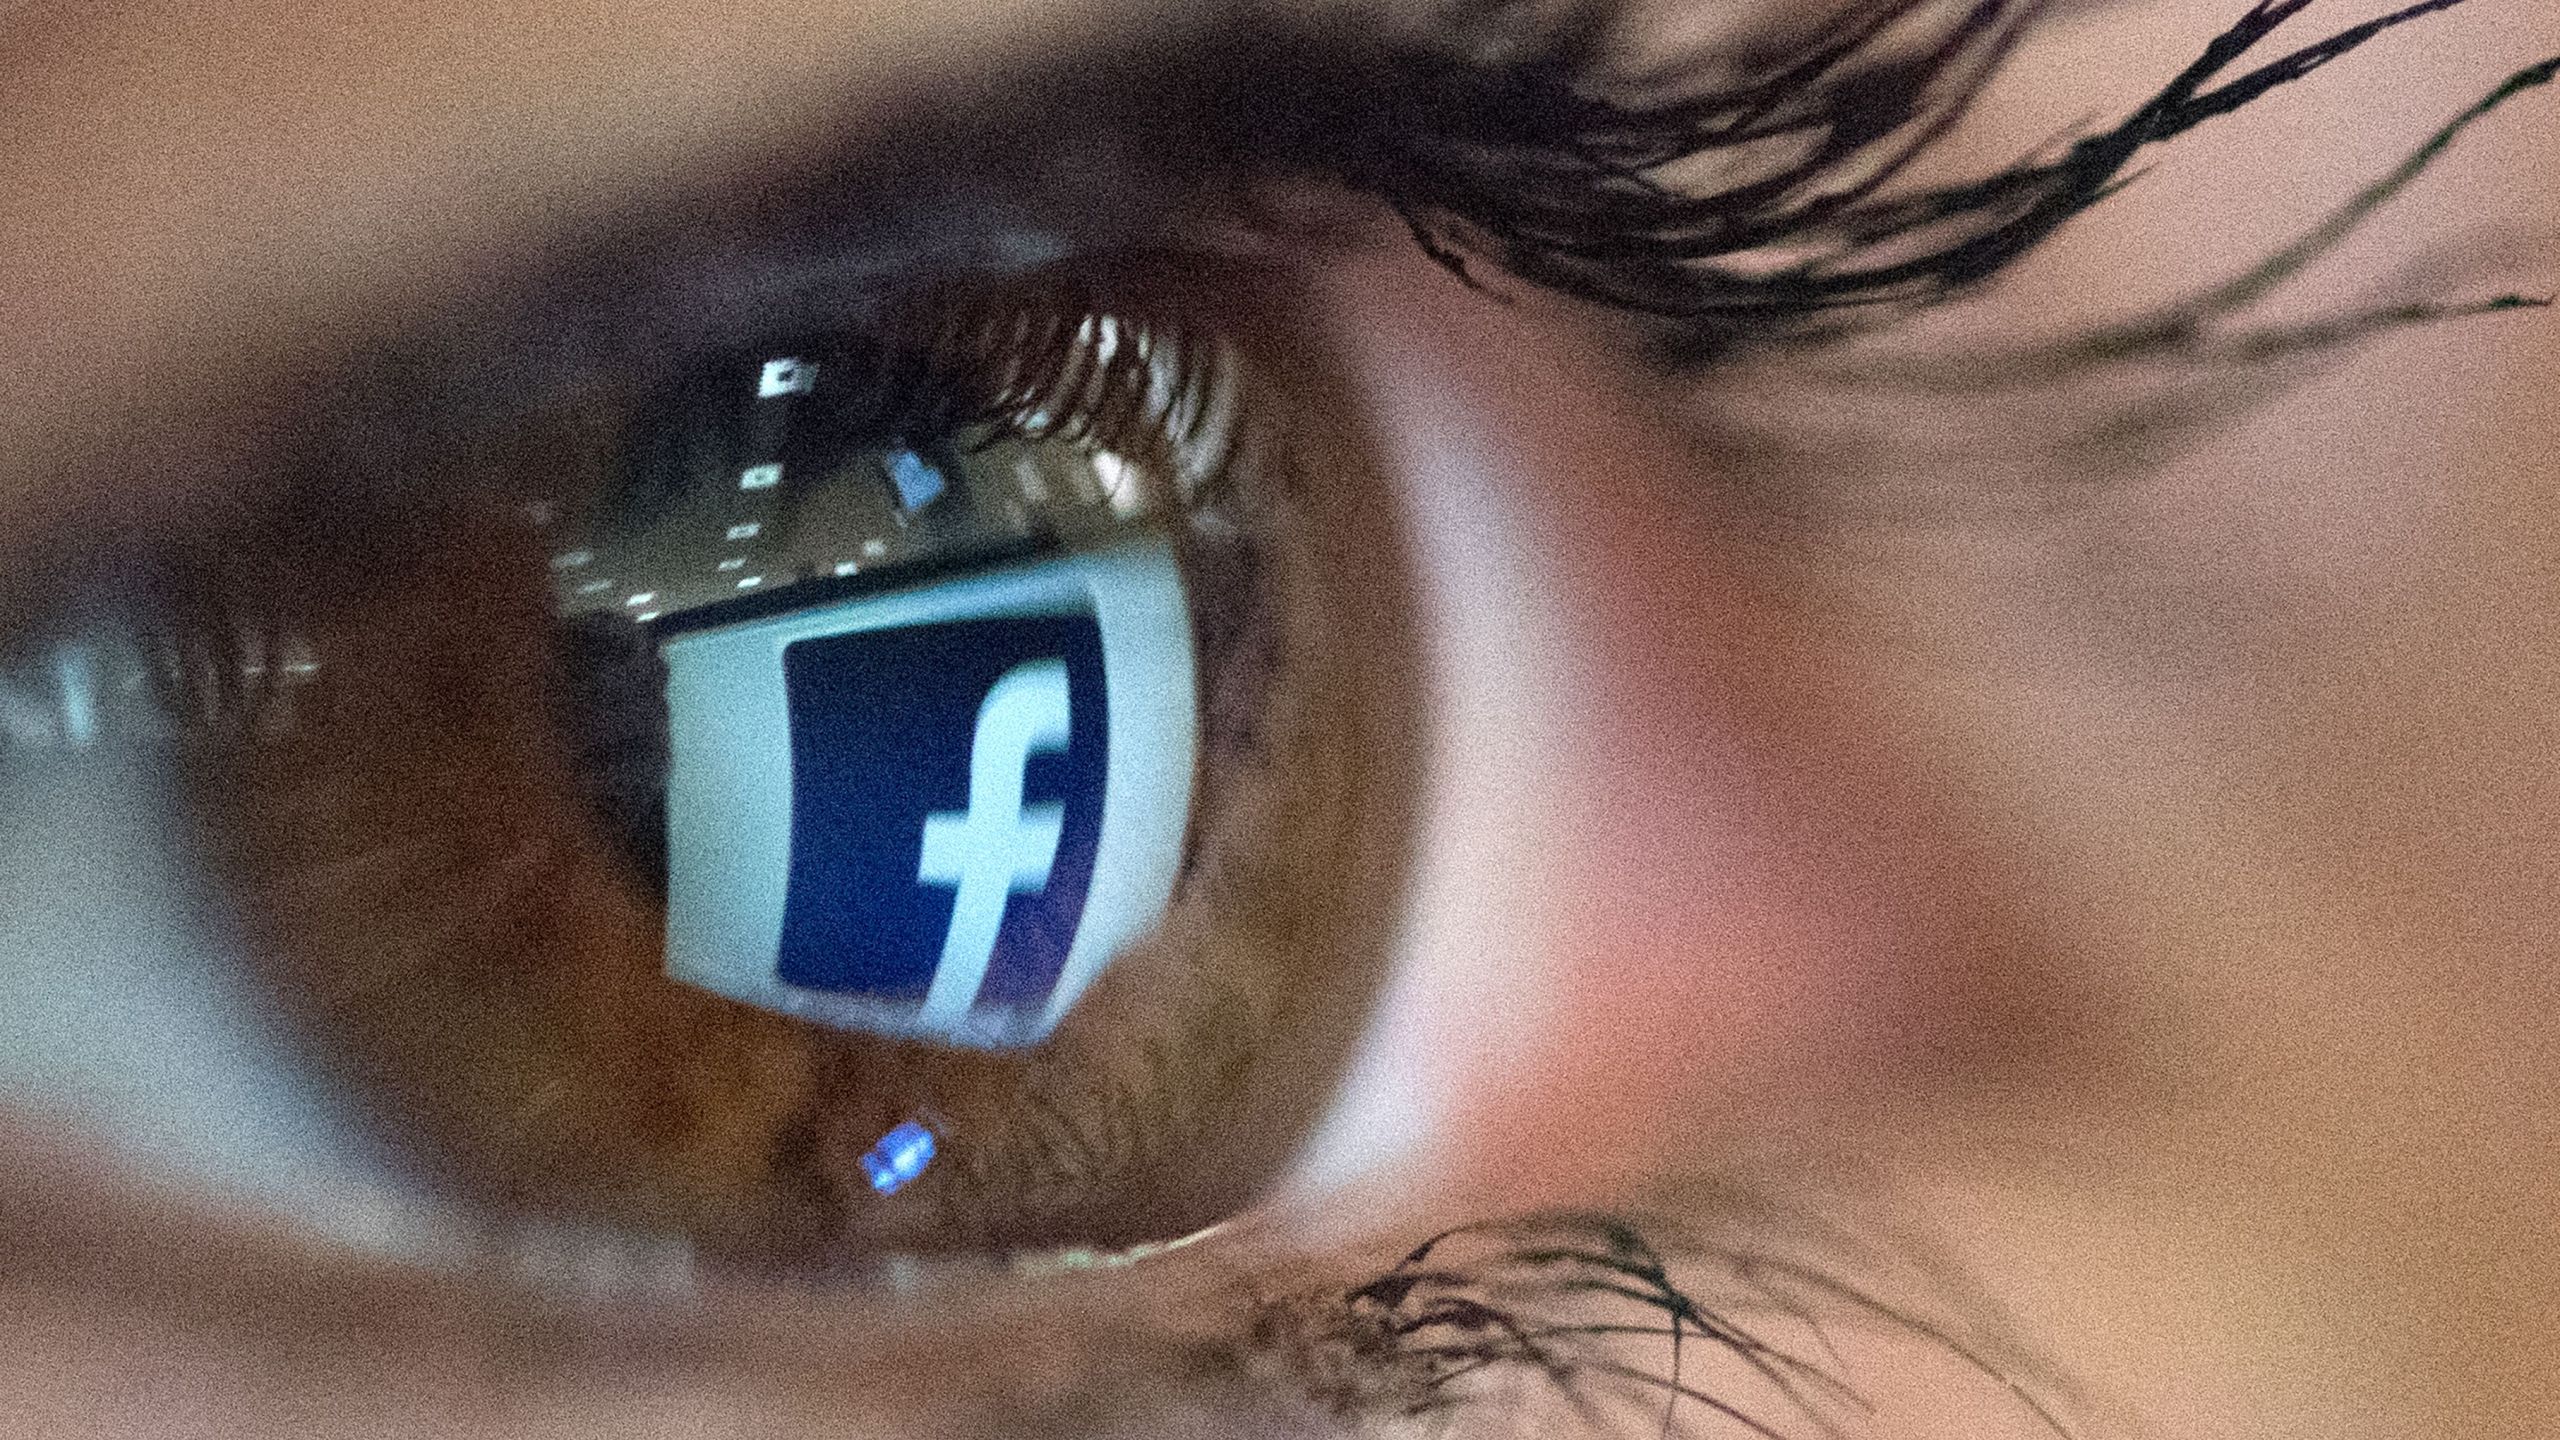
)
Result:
{"points": [[244, 1334]]}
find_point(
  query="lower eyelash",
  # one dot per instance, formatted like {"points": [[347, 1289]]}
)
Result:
{"points": [[1606, 1324]]}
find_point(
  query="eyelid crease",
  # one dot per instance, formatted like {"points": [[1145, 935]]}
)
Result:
{"points": [[1485, 139], [197, 201]]}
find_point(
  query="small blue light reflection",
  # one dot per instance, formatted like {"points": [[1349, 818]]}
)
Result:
{"points": [[900, 1157], [919, 483]]}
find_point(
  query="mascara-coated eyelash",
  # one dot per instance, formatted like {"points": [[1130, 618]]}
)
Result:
{"points": [[1529, 147]]}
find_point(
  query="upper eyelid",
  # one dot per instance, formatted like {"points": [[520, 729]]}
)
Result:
{"points": [[1221, 93], [117, 400], [1091, 147]]}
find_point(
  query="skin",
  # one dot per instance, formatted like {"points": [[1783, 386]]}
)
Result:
{"points": [[2145, 899]]}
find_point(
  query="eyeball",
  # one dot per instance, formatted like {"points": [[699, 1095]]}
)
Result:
{"points": [[927, 779]]}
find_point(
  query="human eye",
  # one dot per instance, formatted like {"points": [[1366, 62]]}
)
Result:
{"points": [[433, 611], [840, 783]]}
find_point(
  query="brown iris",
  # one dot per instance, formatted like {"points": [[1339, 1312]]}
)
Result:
{"points": [[447, 839]]}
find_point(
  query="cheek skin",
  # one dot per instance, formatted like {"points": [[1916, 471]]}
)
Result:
{"points": [[1674, 887]]}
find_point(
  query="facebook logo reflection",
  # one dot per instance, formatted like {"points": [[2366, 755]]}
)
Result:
{"points": [[936, 813], [946, 801]]}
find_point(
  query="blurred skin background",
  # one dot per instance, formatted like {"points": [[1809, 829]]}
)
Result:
{"points": [[2193, 1001]]}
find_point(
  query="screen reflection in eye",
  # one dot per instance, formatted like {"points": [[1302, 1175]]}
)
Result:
{"points": [[944, 721]]}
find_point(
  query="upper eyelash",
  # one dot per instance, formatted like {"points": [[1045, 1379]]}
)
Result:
{"points": [[1527, 163]]}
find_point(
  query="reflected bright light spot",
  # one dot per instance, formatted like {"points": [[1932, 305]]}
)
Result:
{"points": [[760, 477], [919, 482], [573, 559], [643, 598], [874, 549], [900, 1157], [747, 531], [645, 616], [787, 375], [847, 567], [595, 587], [1085, 1257], [1119, 481], [79, 695], [734, 562], [749, 582]]}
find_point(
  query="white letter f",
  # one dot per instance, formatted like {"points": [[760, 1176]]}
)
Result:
{"points": [[997, 846]]}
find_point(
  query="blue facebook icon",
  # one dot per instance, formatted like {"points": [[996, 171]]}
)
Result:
{"points": [[938, 812], [945, 806]]}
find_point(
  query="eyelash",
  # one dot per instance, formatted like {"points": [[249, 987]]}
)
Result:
{"points": [[1632, 1323], [1529, 164]]}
